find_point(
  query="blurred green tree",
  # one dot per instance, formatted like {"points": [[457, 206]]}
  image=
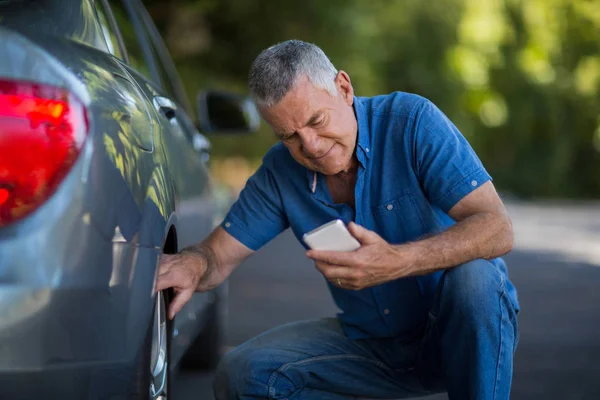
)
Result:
{"points": [[520, 78]]}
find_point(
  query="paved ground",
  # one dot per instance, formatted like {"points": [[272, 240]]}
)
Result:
{"points": [[556, 270]]}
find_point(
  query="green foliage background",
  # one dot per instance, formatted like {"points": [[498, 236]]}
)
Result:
{"points": [[520, 78]]}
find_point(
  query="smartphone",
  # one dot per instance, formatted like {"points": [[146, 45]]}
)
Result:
{"points": [[333, 236]]}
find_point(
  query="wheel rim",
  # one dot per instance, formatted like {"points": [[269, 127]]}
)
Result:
{"points": [[159, 367]]}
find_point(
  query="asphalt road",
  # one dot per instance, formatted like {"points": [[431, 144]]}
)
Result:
{"points": [[556, 268]]}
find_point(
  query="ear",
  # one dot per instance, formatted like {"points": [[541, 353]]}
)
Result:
{"points": [[344, 85]]}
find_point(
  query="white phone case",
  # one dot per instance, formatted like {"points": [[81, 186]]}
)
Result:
{"points": [[333, 236]]}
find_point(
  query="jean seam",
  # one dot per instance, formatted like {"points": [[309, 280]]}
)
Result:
{"points": [[284, 367], [515, 322], [502, 280], [502, 320]]}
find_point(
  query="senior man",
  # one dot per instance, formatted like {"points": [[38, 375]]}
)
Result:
{"points": [[426, 304]]}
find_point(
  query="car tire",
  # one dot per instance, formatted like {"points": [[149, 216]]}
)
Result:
{"points": [[207, 349], [143, 381]]}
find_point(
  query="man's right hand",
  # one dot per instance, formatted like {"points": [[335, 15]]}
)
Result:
{"points": [[183, 272], [201, 267]]}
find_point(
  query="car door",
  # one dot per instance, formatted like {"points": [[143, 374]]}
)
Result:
{"points": [[180, 150]]}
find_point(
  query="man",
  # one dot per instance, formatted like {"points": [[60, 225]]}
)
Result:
{"points": [[426, 302]]}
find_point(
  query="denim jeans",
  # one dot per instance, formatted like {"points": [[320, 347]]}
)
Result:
{"points": [[466, 349]]}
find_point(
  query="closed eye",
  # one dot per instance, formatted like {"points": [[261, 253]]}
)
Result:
{"points": [[289, 137], [319, 122]]}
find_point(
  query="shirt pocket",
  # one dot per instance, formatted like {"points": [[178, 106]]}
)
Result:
{"points": [[399, 219]]}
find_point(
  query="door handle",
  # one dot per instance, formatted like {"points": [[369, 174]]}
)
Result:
{"points": [[165, 106], [202, 146]]}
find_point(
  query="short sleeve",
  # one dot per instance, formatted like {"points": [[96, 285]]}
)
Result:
{"points": [[257, 216], [446, 164]]}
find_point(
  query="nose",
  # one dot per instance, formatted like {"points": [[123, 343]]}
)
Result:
{"points": [[310, 143]]}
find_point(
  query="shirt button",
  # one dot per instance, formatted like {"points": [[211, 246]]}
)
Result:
{"points": [[473, 183], [386, 311], [227, 224], [390, 207], [367, 149]]}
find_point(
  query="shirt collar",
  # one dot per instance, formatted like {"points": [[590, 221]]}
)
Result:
{"points": [[364, 136], [363, 147]]}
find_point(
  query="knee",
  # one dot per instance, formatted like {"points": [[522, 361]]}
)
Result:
{"points": [[249, 372], [232, 374], [472, 289]]}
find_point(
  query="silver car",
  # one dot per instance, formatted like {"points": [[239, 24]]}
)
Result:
{"points": [[102, 168]]}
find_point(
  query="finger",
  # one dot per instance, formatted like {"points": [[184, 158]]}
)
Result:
{"points": [[344, 284], [335, 272], [166, 281], [165, 263], [362, 234], [331, 257], [323, 267], [179, 301]]}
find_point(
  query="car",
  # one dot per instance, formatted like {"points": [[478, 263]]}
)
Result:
{"points": [[103, 167]]}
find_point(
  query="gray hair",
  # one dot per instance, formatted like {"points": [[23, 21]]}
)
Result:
{"points": [[277, 69]]}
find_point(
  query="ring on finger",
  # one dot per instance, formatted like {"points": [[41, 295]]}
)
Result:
{"points": [[339, 282]]}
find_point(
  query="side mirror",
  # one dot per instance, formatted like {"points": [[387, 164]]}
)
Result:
{"points": [[223, 112]]}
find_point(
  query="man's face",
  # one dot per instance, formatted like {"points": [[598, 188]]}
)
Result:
{"points": [[318, 129]]}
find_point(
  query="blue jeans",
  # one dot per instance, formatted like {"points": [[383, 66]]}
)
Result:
{"points": [[466, 349]]}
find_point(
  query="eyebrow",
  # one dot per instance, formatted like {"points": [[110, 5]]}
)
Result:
{"points": [[311, 120]]}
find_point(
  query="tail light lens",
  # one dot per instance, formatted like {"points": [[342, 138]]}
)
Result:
{"points": [[42, 131]]}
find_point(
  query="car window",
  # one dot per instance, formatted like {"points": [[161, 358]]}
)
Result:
{"points": [[135, 48], [166, 69], [109, 30], [163, 76], [147, 53]]}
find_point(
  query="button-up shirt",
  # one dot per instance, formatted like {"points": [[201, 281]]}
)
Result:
{"points": [[414, 166]]}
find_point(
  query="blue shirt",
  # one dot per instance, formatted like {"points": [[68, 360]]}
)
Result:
{"points": [[414, 166]]}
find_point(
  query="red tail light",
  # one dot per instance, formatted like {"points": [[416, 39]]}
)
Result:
{"points": [[42, 131]]}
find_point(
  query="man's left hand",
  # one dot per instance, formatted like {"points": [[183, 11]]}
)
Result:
{"points": [[375, 262]]}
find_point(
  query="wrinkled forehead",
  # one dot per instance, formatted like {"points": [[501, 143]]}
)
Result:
{"points": [[297, 106]]}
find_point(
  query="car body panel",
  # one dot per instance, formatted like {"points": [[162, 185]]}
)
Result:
{"points": [[77, 275]]}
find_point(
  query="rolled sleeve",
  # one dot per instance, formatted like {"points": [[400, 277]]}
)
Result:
{"points": [[257, 216], [445, 162]]}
